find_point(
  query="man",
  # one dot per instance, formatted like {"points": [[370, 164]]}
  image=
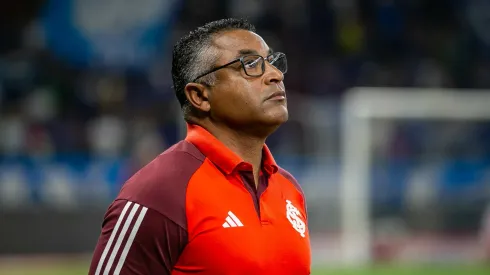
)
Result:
{"points": [[215, 203]]}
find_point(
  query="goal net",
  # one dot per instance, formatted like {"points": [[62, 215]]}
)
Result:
{"points": [[424, 197]]}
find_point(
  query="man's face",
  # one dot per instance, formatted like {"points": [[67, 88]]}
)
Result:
{"points": [[241, 100]]}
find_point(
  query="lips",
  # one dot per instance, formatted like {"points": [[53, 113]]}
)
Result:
{"points": [[279, 95]]}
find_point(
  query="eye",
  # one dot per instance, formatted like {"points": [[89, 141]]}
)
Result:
{"points": [[251, 63]]}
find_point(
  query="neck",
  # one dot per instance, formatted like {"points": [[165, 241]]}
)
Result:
{"points": [[246, 146]]}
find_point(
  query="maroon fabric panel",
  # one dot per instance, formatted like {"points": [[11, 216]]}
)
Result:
{"points": [[153, 249], [161, 237], [162, 184]]}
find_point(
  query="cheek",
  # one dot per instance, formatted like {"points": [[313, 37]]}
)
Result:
{"points": [[250, 97], [232, 101], [240, 100], [242, 96]]}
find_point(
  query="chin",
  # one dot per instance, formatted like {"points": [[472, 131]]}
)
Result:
{"points": [[278, 116]]}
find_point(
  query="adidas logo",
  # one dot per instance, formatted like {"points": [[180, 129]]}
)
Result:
{"points": [[232, 221]]}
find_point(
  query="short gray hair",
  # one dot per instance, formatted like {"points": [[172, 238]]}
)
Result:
{"points": [[193, 55]]}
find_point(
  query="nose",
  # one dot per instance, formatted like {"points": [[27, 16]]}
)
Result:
{"points": [[272, 74]]}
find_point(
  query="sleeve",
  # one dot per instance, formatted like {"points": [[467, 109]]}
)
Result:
{"points": [[137, 240]]}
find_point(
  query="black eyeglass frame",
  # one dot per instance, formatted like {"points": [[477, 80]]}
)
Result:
{"points": [[277, 55]]}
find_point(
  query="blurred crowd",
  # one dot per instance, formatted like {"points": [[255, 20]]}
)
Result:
{"points": [[50, 104], [59, 100], [53, 105]]}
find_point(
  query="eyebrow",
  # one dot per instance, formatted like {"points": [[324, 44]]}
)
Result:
{"points": [[243, 52]]}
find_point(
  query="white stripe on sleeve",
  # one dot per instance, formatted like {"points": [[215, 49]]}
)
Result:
{"points": [[130, 241], [111, 238], [120, 239]]}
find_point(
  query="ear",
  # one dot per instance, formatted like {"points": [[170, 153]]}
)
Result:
{"points": [[198, 94]]}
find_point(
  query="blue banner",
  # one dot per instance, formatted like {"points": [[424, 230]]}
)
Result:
{"points": [[108, 33]]}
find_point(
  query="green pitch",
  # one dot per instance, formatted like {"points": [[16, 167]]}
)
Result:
{"points": [[81, 269], [407, 270]]}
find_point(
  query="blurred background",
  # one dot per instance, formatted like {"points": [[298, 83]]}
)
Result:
{"points": [[86, 100]]}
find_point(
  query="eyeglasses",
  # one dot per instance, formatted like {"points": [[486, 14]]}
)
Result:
{"points": [[254, 65]]}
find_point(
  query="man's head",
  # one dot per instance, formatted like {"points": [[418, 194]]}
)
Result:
{"points": [[231, 95]]}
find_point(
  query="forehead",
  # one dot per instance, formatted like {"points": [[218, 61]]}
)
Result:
{"points": [[230, 43]]}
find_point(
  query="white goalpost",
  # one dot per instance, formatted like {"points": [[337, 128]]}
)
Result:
{"points": [[360, 107]]}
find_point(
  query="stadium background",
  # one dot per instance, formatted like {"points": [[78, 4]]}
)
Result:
{"points": [[86, 99]]}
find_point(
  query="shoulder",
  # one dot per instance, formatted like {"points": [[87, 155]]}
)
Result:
{"points": [[291, 179], [162, 184]]}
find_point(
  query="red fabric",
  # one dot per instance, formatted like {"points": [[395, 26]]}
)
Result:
{"points": [[190, 193]]}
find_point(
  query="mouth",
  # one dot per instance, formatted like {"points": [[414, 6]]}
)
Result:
{"points": [[279, 95]]}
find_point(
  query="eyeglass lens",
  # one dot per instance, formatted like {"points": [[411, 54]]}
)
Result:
{"points": [[254, 65]]}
